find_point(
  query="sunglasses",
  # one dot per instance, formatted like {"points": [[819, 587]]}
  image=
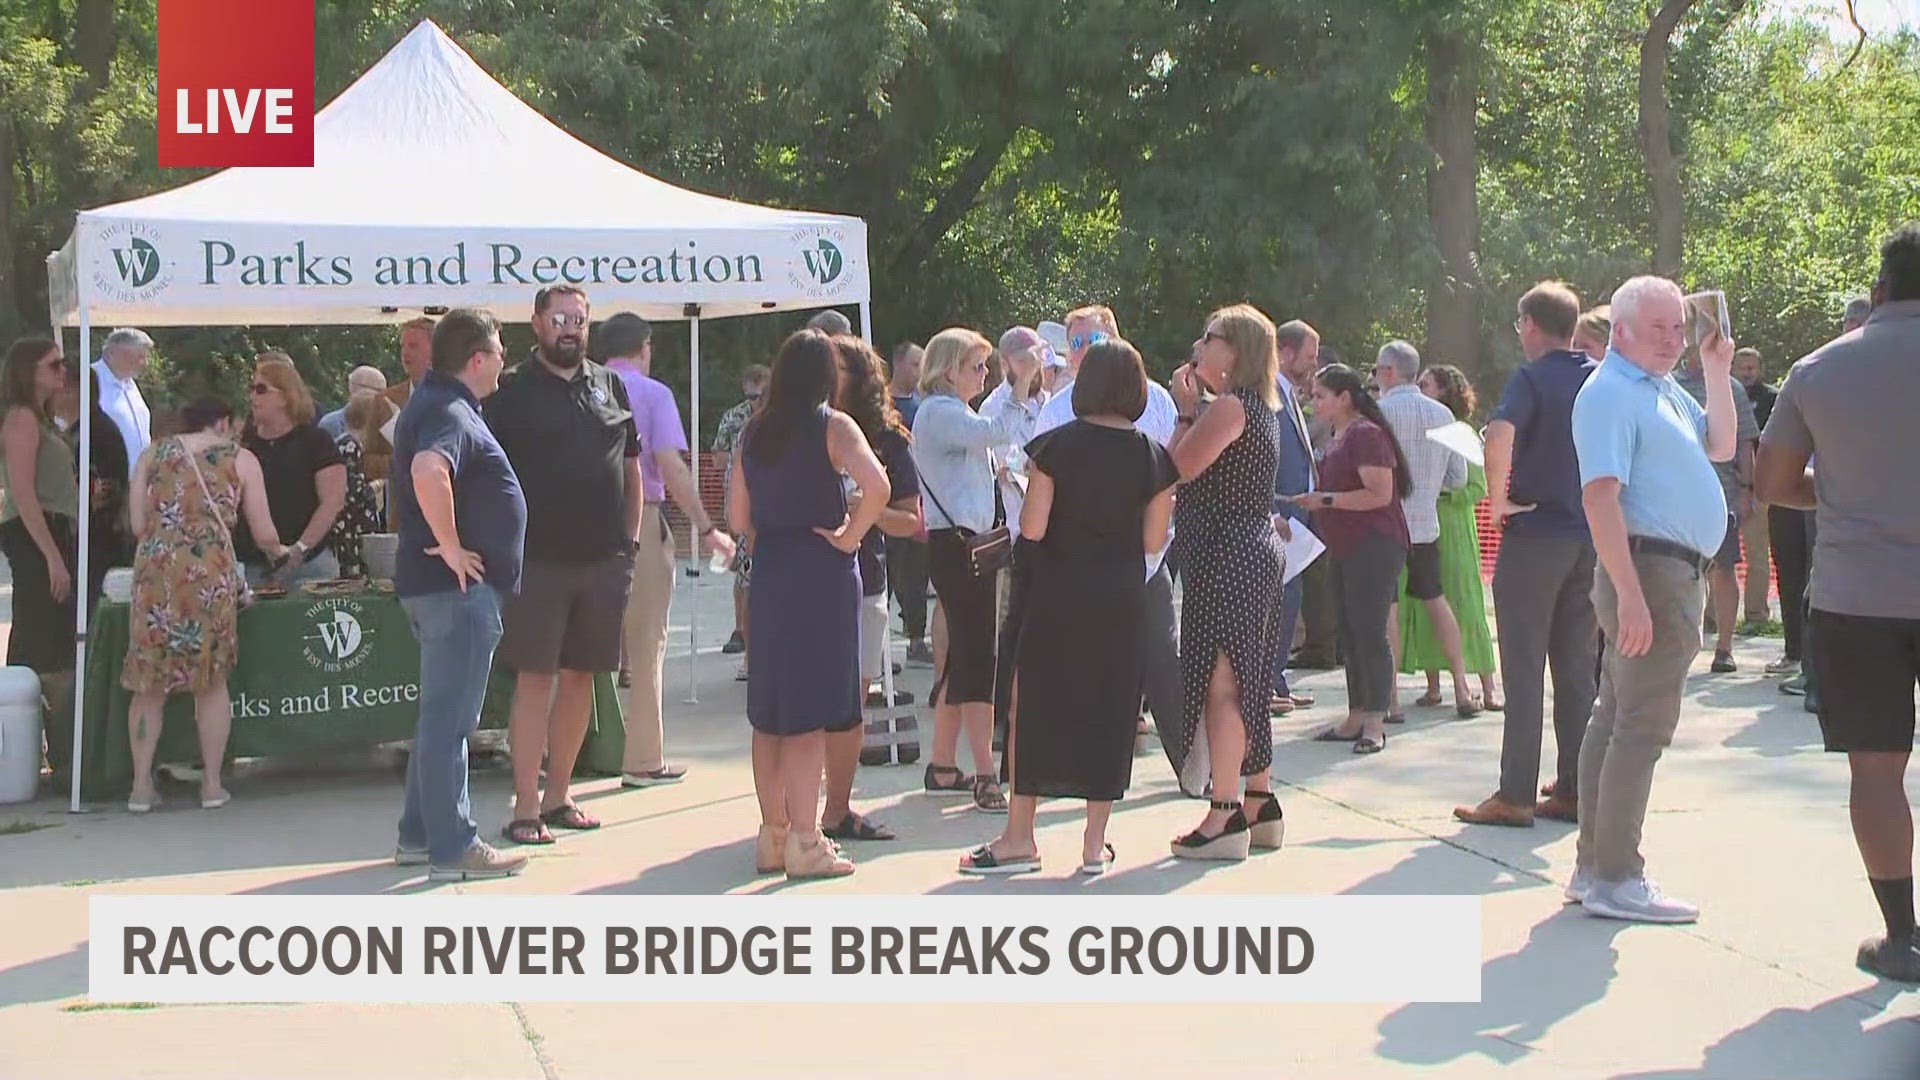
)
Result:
{"points": [[1213, 335], [567, 322], [259, 388], [1081, 341]]}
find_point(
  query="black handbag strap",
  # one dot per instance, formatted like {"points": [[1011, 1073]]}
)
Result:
{"points": [[999, 506]]}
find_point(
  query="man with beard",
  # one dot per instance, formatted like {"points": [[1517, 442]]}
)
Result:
{"points": [[567, 427]]}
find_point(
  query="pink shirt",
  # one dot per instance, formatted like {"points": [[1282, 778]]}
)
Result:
{"points": [[657, 418]]}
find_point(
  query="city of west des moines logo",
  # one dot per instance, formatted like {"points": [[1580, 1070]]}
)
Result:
{"points": [[823, 261], [138, 263], [338, 641]]}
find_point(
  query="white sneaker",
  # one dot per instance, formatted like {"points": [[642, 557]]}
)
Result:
{"points": [[1638, 900], [741, 675], [1578, 887]]}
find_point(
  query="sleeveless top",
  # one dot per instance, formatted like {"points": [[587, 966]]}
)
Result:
{"points": [[801, 489], [1236, 491], [55, 479]]}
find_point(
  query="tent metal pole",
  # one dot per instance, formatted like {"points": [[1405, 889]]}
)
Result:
{"points": [[80, 573], [693, 545]]}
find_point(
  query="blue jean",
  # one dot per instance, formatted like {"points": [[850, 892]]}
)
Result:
{"points": [[456, 632], [1290, 598]]}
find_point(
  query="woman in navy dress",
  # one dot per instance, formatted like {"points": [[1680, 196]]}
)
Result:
{"points": [[805, 602]]}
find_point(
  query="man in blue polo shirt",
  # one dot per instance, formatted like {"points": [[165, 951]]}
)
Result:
{"points": [[462, 522], [1655, 508], [1543, 580]]}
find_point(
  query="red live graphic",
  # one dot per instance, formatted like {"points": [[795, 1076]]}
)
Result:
{"points": [[236, 83]]}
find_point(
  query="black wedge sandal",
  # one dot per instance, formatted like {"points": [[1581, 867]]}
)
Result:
{"points": [[1230, 844]]}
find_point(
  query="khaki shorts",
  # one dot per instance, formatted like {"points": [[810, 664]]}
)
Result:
{"points": [[873, 636]]}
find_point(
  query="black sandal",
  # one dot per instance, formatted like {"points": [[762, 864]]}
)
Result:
{"points": [[569, 816], [960, 785], [987, 796], [1370, 746], [1332, 734], [527, 831], [855, 827]]}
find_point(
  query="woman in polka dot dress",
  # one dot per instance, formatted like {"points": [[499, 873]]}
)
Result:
{"points": [[1230, 560]]}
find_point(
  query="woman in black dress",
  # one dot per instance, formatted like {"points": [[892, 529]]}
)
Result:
{"points": [[1098, 498], [1230, 562]]}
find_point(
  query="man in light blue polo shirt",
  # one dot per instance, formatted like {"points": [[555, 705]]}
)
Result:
{"points": [[1654, 505]]}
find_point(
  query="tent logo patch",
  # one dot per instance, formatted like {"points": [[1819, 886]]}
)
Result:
{"points": [[820, 271], [129, 266]]}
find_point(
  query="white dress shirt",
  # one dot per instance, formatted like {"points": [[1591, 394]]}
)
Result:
{"points": [[121, 400], [1158, 422]]}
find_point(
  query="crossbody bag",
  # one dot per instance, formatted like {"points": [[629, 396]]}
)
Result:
{"points": [[987, 552]]}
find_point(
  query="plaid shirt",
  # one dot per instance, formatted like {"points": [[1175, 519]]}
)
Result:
{"points": [[1411, 414]]}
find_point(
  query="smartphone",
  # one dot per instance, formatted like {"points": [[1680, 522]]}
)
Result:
{"points": [[1706, 316]]}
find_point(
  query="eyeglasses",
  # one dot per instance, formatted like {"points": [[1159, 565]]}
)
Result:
{"points": [[56, 363], [1213, 335], [1081, 341], [566, 322], [259, 388]]}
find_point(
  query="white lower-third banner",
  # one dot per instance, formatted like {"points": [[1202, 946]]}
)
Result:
{"points": [[988, 949]]}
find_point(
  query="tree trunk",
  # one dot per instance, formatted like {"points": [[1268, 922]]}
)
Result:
{"points": [[1656, 139], [955, 201], [1453, 302], [9, 303], [95, 38]]}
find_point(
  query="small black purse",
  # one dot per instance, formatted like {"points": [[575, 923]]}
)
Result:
{"points": [[988, 552]]}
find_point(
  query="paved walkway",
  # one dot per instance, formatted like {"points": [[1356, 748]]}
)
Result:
{"points": [[1748, 818]]}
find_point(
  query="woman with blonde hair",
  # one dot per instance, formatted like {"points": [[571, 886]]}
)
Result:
{"points": [[953, 452], [305, 479], [1459, 567], [368, 457], [1593, 334], [1226, 451]]}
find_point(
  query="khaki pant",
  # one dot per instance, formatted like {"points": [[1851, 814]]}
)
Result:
{"points": [[645, 633], [1754, 534], [1636, 713]]}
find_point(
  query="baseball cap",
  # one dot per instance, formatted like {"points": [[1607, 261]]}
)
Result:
{"points": [[1055, 335]]}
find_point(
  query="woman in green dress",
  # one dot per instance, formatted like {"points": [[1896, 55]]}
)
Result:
{"points": [[1459, 567]]}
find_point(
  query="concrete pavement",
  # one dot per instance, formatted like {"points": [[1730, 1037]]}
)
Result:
{"points": [[1748, 818]]}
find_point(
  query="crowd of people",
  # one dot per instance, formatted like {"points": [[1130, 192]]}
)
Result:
{"points": [[1051, 494]]}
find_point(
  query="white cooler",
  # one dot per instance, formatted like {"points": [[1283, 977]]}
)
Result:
{"points": [[19, 734]]}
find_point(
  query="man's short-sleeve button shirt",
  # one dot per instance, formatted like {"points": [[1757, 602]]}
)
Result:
{"points": [[1649, 434], [656, 416], [568, 439], [1538, 402]]}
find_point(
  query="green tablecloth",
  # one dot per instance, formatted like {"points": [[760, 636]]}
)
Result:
{"points": [[315, 676]]}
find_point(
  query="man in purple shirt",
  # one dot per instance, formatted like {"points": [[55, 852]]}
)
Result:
{"points": [[626, 343]]}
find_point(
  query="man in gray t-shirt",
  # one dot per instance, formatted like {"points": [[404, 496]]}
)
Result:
{"points": [[1852, 402], [1736, 482]]}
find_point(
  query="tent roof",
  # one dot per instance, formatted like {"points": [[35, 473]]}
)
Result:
{"points": [[425, 150]]}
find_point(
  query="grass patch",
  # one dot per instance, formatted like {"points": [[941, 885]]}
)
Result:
{"points": [[1770, 628], [15, 828], [110, 1006], [79, 884]]}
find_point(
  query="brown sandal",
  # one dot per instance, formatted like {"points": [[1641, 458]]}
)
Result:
{"points": [[569, 816]]}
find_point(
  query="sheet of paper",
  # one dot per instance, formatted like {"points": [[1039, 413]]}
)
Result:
{"points": [[386, 429], [1460, 438], [1301, 550]]}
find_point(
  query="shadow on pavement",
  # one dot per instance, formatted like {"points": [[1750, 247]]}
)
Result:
{"points": [[1829, 1040], [1566, 965]]}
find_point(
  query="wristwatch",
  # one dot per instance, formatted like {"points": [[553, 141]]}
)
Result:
{"points": [[1326, 501]]}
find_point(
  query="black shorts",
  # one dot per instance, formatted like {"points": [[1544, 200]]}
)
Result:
{"points": [[42, 637], [1729, 554], [567, 617], [1866, 668], [1423, 572]]}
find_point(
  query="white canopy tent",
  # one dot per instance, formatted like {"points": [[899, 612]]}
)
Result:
{"points": [[434, 187]]}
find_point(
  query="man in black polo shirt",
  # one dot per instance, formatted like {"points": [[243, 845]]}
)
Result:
{"points": [[461, 519], [1543, 580], [568, 429]]}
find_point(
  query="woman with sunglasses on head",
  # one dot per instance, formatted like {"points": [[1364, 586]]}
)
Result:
{"points": [[953, 451], [39, 515], [1357, 513], [1230, 564], [188, 493], [305, 478]]}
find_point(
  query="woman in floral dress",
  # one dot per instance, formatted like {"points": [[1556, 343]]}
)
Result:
{"points": [[188, 492]]}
